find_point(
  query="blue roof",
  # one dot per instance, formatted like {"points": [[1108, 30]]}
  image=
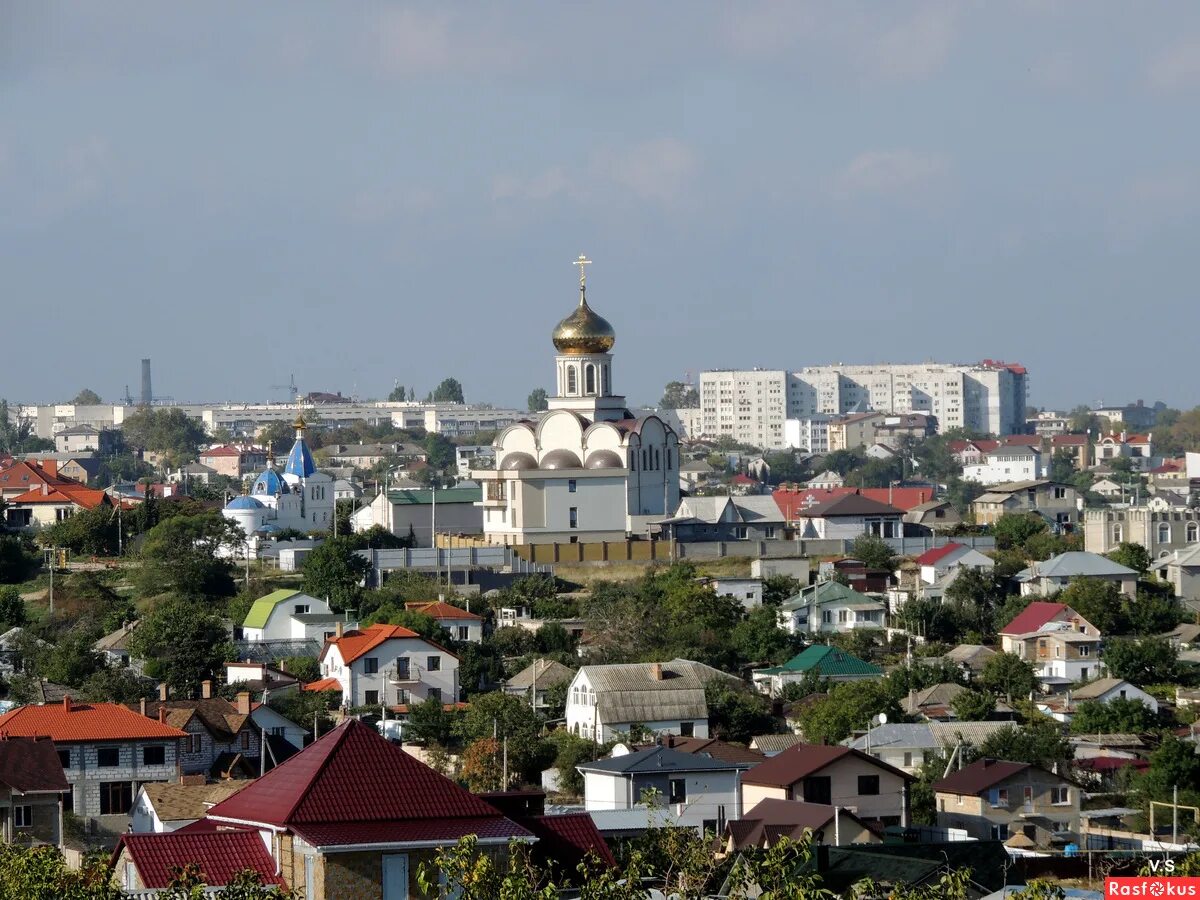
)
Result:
{"points": [[300, 461], [244, 502], [270, 483], [270, 529]]}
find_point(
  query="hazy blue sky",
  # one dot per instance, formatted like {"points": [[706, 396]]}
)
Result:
{"points": [[362, 192]]}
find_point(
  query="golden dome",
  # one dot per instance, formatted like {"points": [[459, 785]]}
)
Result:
{"points": [[583, 331]]}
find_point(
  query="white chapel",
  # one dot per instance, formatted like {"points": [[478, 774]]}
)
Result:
{"points": [[586, 470]]}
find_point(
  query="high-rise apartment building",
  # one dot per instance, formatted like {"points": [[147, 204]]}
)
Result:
{"points": [[751, 406]]}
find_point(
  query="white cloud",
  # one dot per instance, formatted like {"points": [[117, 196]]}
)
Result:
{"points": [[889, 172], [914, 48], [406, 41], [1176, 67]]}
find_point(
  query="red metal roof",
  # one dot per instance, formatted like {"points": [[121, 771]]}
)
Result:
{"points": [[801, 760], [1033, 617], [930, 557], [219, 854], [439, 609], [442, 830], [796, 503], [348, 779], [569, 837], [979, 776], [69, 722], [31, 766]]}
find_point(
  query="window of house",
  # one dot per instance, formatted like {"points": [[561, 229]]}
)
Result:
{"points": [[1027, 798], [1117, 534], [108, 757], [827, 616], [64, 757], [1085, 650], [572, 485], [434, 664], [999, 832], [116, 798], [195, 744], [907, 759], [1164, 533], [402, 696], [868, 785], [244, 739], [817, 789], [370, 665], [435, 694], [22, 816], [371, 698], [740, 532], [402, 668], [464, 632], [687, 729], [573, 516], [571, 379], [155, 755], [1060, 795], [677, 791], [301, 609], [1060, 493], [769, 532]]}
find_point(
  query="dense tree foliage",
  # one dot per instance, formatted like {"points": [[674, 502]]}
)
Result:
{"points": [[18, 561], [973, 706], [1132, 556], [449, 390], [168, 431], [179, 556], [183, 642], [1040, 741], [1007, 675], [1151, 660], [874, 551], [336, 572], [537, 400], [1119, 715], [678, 395]]}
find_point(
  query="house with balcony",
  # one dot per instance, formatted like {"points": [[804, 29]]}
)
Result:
{"points": [[32, 785], [387, 665], [830, 607], [872, 790], [1057, 503], [105, 750], [1006, 463], [848, 517], [1040, 615], [1019, 803]]}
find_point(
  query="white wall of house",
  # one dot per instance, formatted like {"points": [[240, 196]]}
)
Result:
{"points": [[583, 717], [398, 671], [282, 625]]}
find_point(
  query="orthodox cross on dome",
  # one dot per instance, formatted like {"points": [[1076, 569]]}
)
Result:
{"points": [[581, 262]]}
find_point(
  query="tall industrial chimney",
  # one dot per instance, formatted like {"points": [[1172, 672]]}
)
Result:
{"points": [[147, 393]]}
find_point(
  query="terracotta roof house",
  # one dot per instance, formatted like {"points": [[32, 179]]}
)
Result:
{"points": [[353, 809], [37, 495], [388, 665], [817, 773], [826, 661], [1040, 614], [462, 625], [222, 741], [1009, 801], [794, 503], [148, 862], [772, 819], [32, 784], [105, 751]]}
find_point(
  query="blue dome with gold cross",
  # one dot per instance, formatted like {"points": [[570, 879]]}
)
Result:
{"points": [[300, 461], [270, 483]]}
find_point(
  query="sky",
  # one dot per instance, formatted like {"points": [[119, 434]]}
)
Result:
{"points": [[365, 193]]}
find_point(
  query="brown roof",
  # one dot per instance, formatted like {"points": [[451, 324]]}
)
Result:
{"points": [[31, 766], [174, 802], [716, 749], [979, 776], [802, 760], [849, 505], [218, 715]]}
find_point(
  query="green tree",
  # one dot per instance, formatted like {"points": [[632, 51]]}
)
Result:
{"points": [[397, 394], [1062, 467], [848, 706], [185, 642], [1007, 675], [932, 620], [537, 402], [1014, 529], [973, 706], [778, 588], [178, 556], [71, 661], [843, 461], [41, 873], [449, 391], [737, 712], [1100, 602], [1151, 660], [506, 716], [439, 451], [572, 751], [1040, 742], [1153, 611], [678, 395], [1173, 764], [167, 431], [432, 723], [12, 609], [17, 433], [874, 551], [89, 532], [1132, 556], [18, 562], [86, 397], [759, 639], [1081, 420], [336, 572], [1120, 715], [975, 594]]}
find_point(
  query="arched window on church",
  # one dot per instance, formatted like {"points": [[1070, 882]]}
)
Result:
{"points": [[604, 389], [589, 379], [668, 459], [571, 388], [657, 459]]}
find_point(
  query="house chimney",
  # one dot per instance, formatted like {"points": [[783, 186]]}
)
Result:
{"points": [[340, 630], [67, 703], [143, 706], [162, 692], [206, 689], [656, 671], [243, 703], [162, 715], [50, 467]]}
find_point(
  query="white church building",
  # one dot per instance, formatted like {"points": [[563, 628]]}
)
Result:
{"points": [[587, 470], [300, 497]]}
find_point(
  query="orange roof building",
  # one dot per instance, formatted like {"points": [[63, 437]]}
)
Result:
{"points": [[389, 665]]}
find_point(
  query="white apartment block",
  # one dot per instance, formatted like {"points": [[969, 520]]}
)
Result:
{"points": [[752, 405], [809, 433]]}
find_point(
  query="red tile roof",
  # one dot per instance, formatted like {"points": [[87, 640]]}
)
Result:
{"points": [[69, 722], [31, 766], [352, 786], [1071, 439], [219, 854], [802, 760], [354, 644], [439, 609], [1033, 617], [794, 503], [325, 684], [979, 776], [930, 557], [742, 479]]}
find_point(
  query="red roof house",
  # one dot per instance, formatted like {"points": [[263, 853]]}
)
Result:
{"points": [[151, 861], [31, 782], [932, 557], [351, 790], [1035, 616]]}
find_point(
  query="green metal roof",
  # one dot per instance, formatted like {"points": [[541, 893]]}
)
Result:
{"points": [[825, 592], [261, 610], [829, 662], [425, 497]]}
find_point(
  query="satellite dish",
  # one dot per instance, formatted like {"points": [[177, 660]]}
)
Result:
{"points": [[881, 719]]}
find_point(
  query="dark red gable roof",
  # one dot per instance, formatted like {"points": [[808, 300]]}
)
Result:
{"points": [[352, 786], [1033, 617], [802, 760], [929, 557], [568, 839], [219, 854], [31, 765], [979, 776]]}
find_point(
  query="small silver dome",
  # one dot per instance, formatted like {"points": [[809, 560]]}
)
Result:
{"points": [[518, 460], [561, 459], [604, 459]]}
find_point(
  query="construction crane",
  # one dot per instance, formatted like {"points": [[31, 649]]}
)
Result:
{"points": [[290, 387]]}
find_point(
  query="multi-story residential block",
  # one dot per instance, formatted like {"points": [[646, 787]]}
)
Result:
{"points": [[234, 461], [106, 752], [809, 433], [751, 405], [996, 800], [85, 438], [1158, 527], [1059, 503], [854, 431], [1133, 415], [387, 665]]}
